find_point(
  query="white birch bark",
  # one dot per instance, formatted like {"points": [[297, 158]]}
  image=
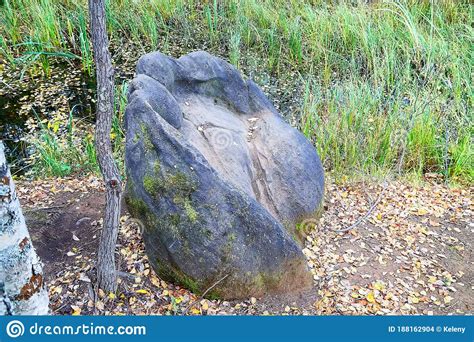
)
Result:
{"points": [[22, 288]]}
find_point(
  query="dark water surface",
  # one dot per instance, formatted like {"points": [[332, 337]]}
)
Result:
{"points": [[21, 98]]}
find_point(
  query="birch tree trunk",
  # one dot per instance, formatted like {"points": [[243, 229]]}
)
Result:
{"points": [[22, 288], [106, 271]]}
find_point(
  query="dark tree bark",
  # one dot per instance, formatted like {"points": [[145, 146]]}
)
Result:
{"points": [[106, 271]]}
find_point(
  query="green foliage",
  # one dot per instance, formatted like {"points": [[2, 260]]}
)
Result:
{"points": [[191, 213], [234, 53], [150, 184], [388, 83], [56, 156], [64, 145]]}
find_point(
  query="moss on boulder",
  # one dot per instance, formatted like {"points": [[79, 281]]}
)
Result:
{"points": [[218, 179]]}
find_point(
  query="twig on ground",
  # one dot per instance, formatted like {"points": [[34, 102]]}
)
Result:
{"points": [[129, 276], [446, 153], [58, 309], [363, 218], [204, 294], [43, 208]]}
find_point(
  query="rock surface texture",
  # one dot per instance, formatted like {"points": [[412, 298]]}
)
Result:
{"points": [[218, 179]]}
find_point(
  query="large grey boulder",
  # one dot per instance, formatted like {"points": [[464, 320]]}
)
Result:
{"points": [[218, 178]]}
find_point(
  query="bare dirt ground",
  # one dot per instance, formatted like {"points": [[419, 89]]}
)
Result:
{"points": [[411, 255]]}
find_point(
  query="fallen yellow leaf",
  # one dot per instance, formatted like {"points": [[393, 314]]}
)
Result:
{"points": [[448, 299], [379, 286], [76, 311], [204, 305], [370, 297], [422, 211], [423, 230], [155, 281], [99, 305]]}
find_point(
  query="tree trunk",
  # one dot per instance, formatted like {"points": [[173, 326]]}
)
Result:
{"points": [[106, 272], [22, 289]]}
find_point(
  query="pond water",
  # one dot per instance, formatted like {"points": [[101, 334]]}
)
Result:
{"points": [[40, 97], [35, 94]]}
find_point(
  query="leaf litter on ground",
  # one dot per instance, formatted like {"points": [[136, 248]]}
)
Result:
{"points": [[412, 255]]}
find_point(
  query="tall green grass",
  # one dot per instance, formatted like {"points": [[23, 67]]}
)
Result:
{"points": [[60, 150], [388, 84], [65, 146]]}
